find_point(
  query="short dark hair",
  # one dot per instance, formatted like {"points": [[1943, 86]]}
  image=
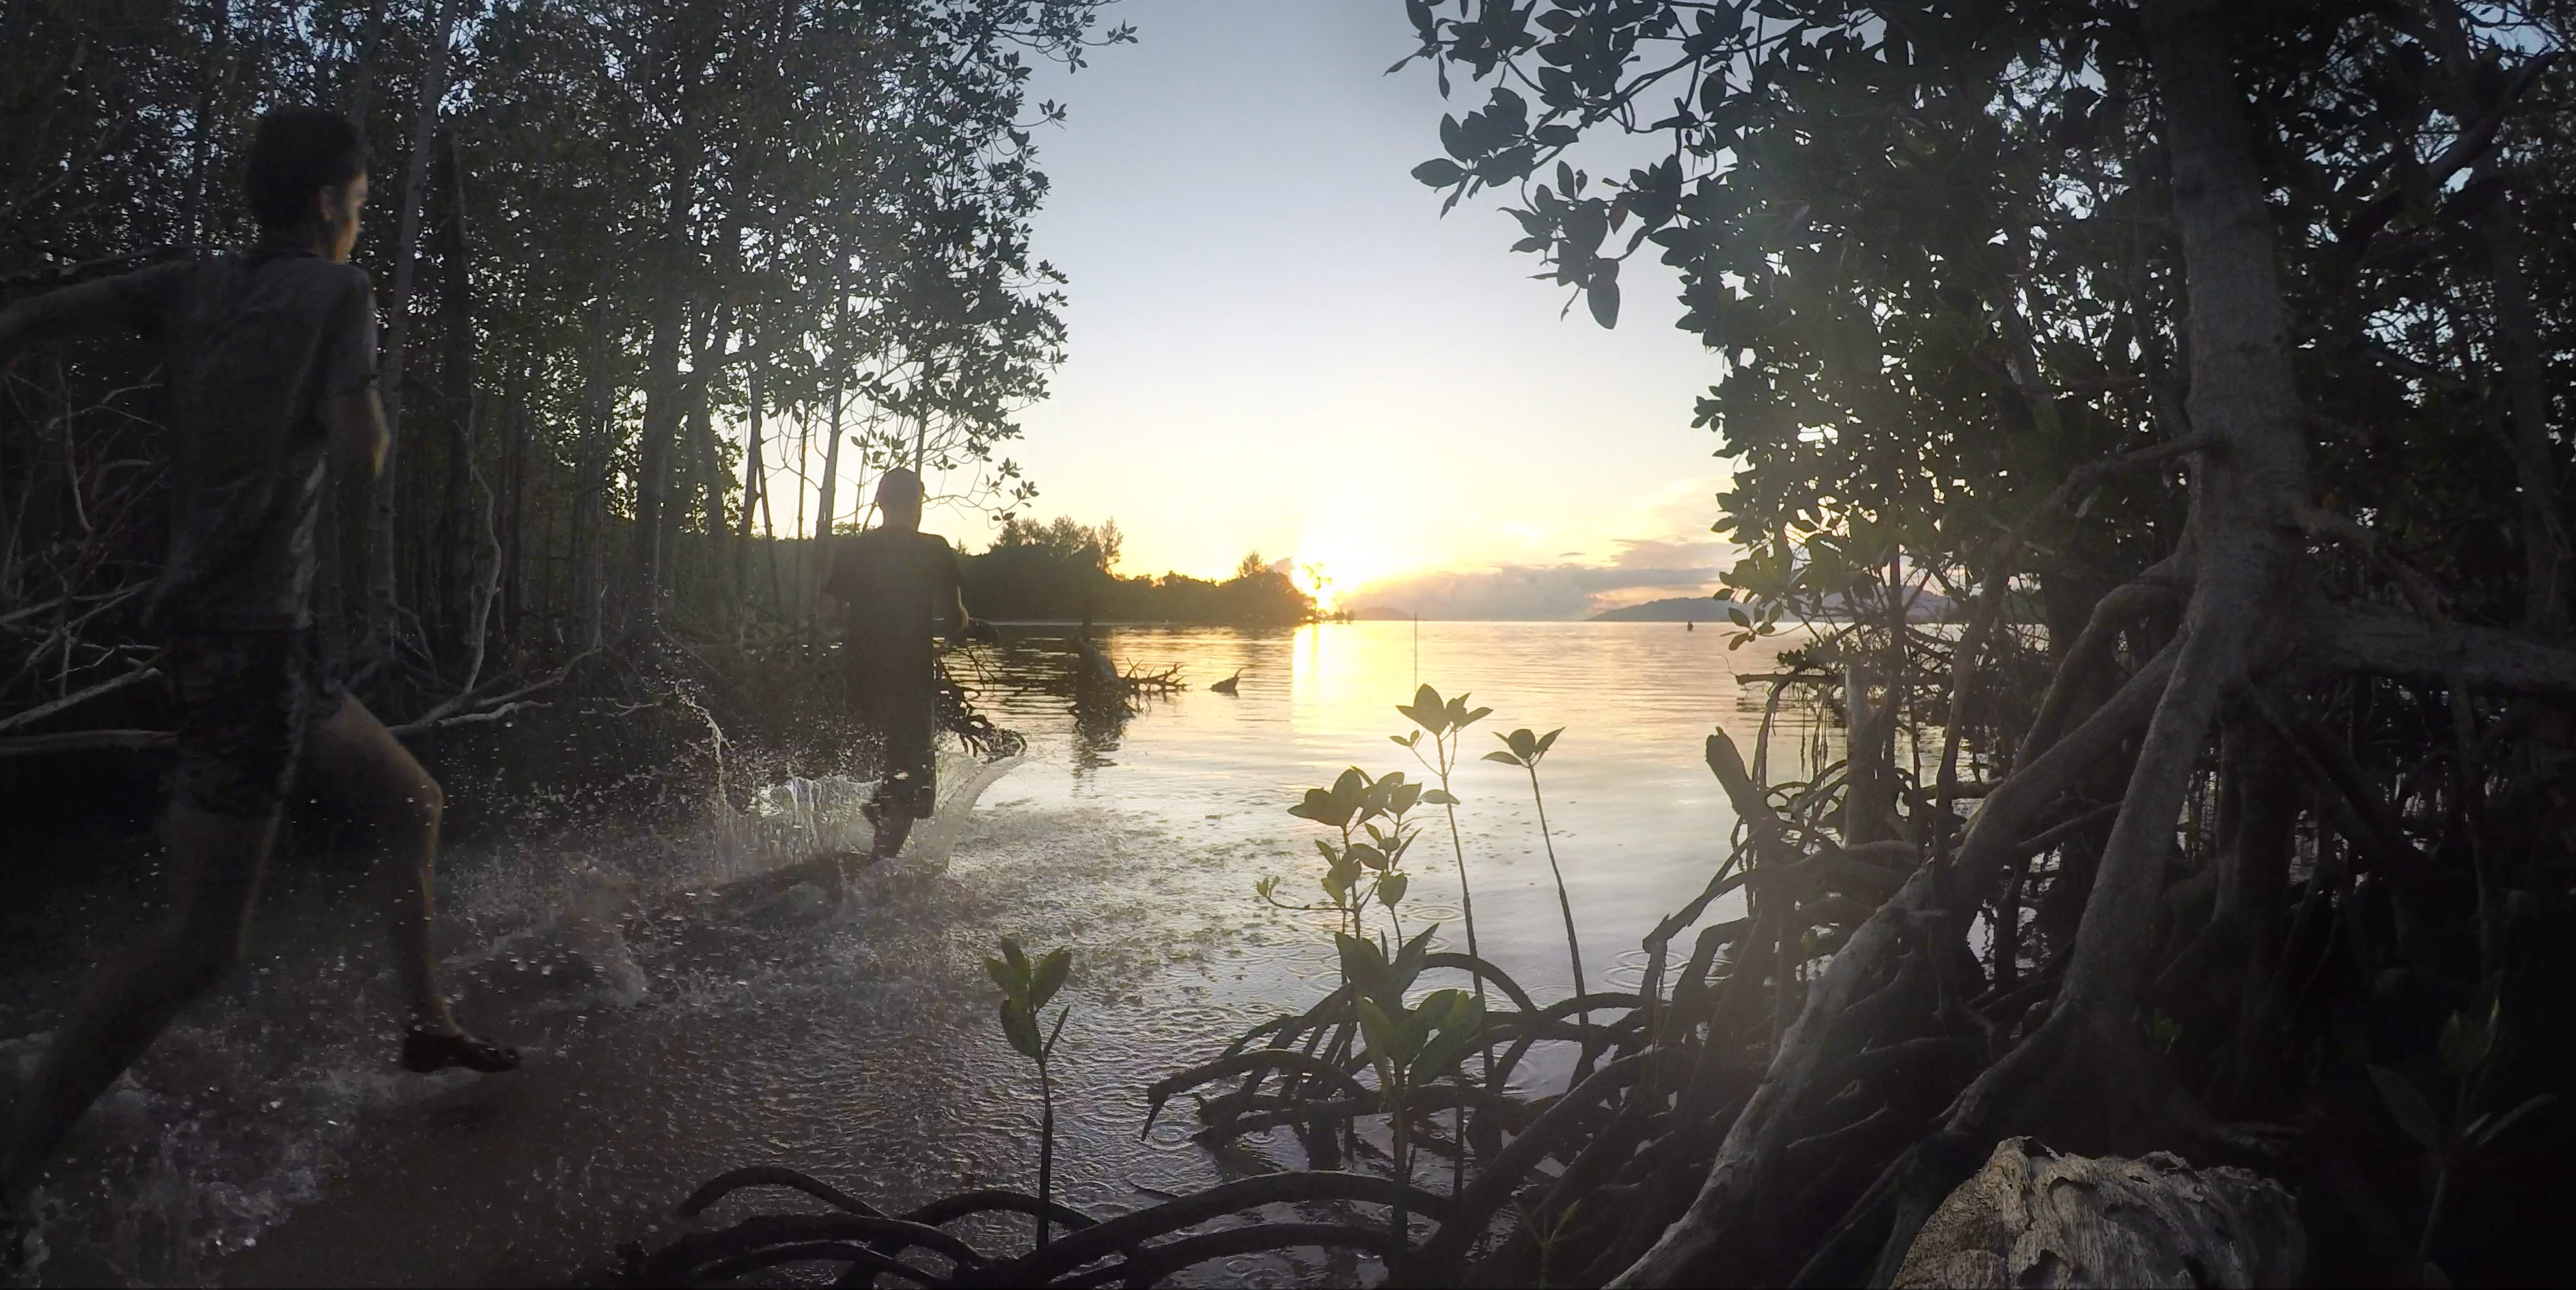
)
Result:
{"points": [[296, 151], [900, 483]]}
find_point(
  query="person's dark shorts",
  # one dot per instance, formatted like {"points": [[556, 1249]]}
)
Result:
{"points": [[245, 698]]}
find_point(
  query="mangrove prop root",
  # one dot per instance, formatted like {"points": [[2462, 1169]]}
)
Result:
{"points": [[1492, 1187], [682, 1258], [857, 1256], [1160, 1092], [1478, 967], [1237, 1114], [1155, 1262], [1522, 1036], [948, 1209], [717, 1188], [1241, 1195]]}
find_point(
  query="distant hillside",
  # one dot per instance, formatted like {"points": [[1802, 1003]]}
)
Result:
{"points": [[1679, 609], [1701, 609]]}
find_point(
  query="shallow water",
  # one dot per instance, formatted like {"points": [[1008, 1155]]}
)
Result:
{"points": [[269, 1140]]}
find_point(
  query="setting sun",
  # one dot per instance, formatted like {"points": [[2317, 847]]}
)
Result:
{"points": [[1332, 566]]}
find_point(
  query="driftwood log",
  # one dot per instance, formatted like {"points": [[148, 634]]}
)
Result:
{"points": [[2032, 1217]]}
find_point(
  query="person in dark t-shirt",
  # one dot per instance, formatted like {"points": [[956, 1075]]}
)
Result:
{"points": [[269, 362], [897, 585]]}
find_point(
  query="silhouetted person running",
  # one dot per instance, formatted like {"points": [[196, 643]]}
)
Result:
{"points": [[269, 359], [897, 585]]}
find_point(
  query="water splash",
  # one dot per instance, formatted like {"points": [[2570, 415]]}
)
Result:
{"points": [[797, 820]]}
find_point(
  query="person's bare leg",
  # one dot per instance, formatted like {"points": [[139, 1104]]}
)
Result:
{"points": [[215, 870], [358, 760]]}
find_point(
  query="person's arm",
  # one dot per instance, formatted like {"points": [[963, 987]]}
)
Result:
{"points": [[951, 600], [352, 415], [837, 595], [356, 422], [85, 309]]}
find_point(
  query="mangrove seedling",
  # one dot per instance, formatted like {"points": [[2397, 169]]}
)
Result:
{"points": [[1356, 872], [2467, 1043], [1546, 1237], [1026, 989], [1408, 1046], [1523, 749], [1394, 796], [1443, 720]]}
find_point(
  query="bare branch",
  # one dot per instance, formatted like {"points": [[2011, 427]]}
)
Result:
{"points": [[2372, 639], [85, 741], [44, 710]]}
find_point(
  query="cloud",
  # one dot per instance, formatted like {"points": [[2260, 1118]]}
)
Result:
{"points": [[1678, 558], [1647, 553]]}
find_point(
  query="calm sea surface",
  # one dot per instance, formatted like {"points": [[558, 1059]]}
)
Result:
{"points": [[1637, 819], [269, 1141]]}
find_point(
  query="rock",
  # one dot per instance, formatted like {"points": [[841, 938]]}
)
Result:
{"points": [[2032, 1217]]}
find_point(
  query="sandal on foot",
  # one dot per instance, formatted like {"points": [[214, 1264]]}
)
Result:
{"points": [[424, 1051]]}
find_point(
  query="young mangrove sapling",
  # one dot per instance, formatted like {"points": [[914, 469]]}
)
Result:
{"points": [[1026, 989]]}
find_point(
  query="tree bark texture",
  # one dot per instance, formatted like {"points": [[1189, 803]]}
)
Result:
{"points": [[664, 392], [2545, 547], [2032, 1217], [459, 525], [514, 510], [2521, 360], [826, 501], [362, 69], [590, 506], [706, 478], [210, 82], [2243, 394], [819, 567], [382, 550], [1869, 792], [753, 490]]}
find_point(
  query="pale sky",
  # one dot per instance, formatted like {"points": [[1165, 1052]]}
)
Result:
{"points": [[1278, 343]]}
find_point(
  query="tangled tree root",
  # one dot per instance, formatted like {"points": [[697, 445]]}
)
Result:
{"points": [[1137, 1248]]}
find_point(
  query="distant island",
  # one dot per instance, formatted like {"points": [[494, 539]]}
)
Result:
{"points": [[1678, 609]]}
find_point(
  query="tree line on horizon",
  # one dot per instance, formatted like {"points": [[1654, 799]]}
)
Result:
{"points": [[1064, 571]]}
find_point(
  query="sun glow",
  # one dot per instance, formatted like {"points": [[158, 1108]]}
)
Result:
{"points": [[1317, 579], [1332, 567]]}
